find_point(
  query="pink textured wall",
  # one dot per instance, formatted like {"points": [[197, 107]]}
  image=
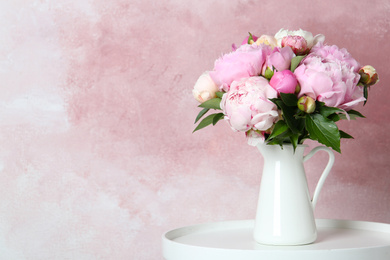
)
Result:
{"points": [[97, 158]]}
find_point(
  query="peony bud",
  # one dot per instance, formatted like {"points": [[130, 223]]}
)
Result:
{"points": [[268, 73], [205, 88], [368, 75], [307, 104], [297, 43], [249, 39], [284, 81], [297, 89]]}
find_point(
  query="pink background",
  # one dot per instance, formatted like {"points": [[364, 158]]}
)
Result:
{"points": [[97, 157]]}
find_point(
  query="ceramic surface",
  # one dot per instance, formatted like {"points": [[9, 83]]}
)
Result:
{"points": [[285, 208]]}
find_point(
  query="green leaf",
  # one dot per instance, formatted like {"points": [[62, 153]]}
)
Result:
{"points": [[275, 142], [288, 115], [327, 111], [281, 139], [289, 99], [323, 130], [212, 103], [319, 104], [355, 114], [295, 62], [301, 125], [206, 121], [279, 128], [201, 113], [217, 117], [275, 101], [219, 94], [334, 117], [294, 140], [345, 135]]}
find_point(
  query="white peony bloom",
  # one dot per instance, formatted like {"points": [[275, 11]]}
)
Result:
{"points": [[308, 36]]}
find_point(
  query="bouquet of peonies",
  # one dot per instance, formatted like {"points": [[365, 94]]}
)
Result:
{"points": [[284, 89]]}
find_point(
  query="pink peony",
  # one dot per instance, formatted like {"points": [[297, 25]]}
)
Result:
{"points": [[205, 88], [280, 59], [246, 61], [297, 43], [284, 81], [333, 53], [247, 106], [329, 75]]}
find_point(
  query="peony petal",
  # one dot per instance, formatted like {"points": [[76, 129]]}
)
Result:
{"points": [[240, 119], [350, 105], [254, 138], [318, 38], [264, 121], [320, 83]]}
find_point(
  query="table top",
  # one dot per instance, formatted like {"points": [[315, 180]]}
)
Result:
{"points": [[233, 240]]}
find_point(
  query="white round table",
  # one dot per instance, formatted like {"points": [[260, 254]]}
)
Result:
{"points": [[232, 240]]}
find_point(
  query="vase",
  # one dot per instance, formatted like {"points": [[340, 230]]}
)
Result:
{"points": [[285, 209]]}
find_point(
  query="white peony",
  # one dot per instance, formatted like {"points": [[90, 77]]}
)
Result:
{"points": [[205, 88], [308, 36]]}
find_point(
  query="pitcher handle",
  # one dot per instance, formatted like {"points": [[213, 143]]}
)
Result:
{"points": [[324, 174]]}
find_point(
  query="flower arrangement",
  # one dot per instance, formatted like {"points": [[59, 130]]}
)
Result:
{"points": [[284, 89]]}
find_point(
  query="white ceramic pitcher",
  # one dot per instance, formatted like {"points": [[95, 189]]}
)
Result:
{"points": [[285, 209]]}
